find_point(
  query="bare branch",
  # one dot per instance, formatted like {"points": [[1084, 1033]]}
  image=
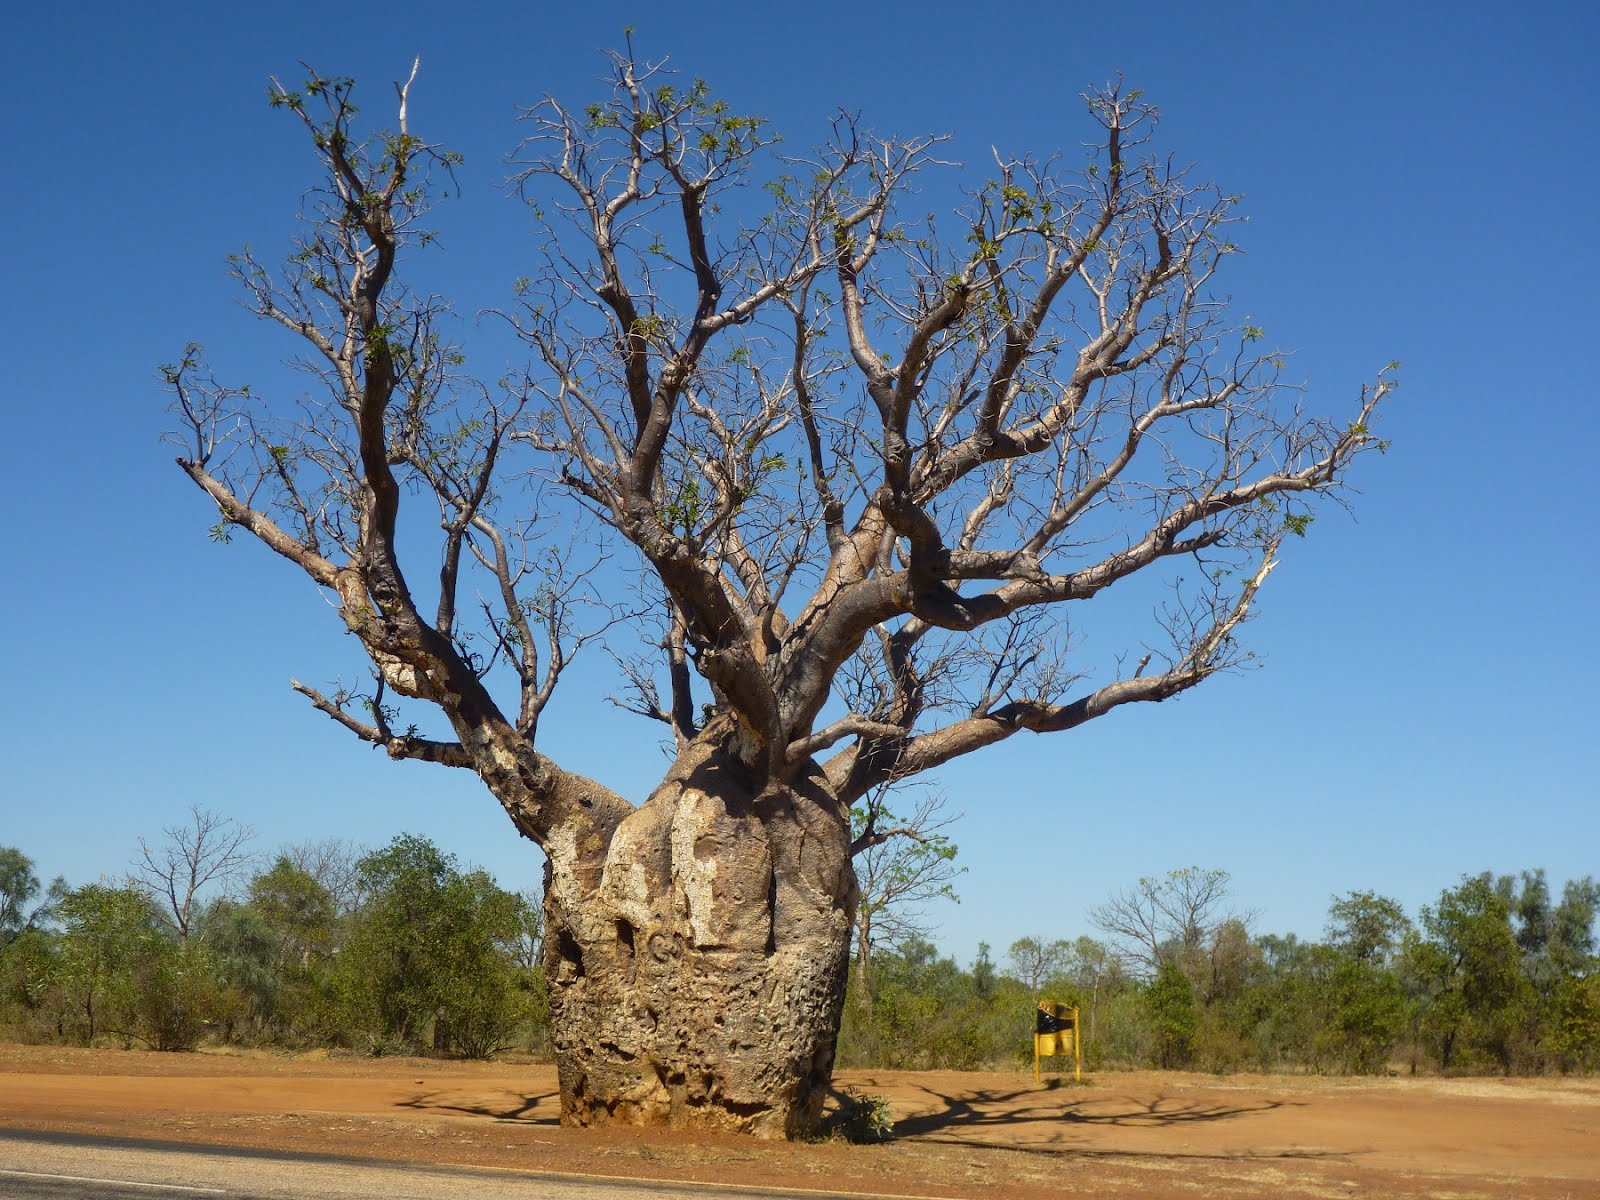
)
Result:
{"points": [[448, 754], [210, 849]]}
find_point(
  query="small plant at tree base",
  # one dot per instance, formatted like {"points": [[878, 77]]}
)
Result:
{"points": [[861, 1120]]}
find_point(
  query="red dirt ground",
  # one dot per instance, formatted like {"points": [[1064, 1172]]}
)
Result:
{"points": [[959, 1134]]}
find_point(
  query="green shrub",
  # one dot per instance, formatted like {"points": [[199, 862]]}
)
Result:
{"points": [[861, 1120]]}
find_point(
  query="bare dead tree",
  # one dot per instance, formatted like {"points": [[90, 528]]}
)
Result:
{"points": [[210, 849], [868, 467], [1171, 918]]}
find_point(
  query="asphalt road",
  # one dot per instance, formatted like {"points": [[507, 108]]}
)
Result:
{"points": [[49, 1166]]}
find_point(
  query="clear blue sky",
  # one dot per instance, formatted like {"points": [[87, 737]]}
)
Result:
{"points": [[1423, 184]]}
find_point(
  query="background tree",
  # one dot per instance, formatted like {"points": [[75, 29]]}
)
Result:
{"points": [[1224, 974], [29, 952], [332, 863], [1366, 1005], [19, 888], [529, 944], [984, 976], [243, 953], [108, 933], [275, 949], [864, 463], [1174, 1021], [486, 993], [1165, 920], [431, 956], [1469, 963], [179, 996], [295, 905], [123, 973], [1033, 961], [1288, 1008], [528, 955], [210, 849], [32, 1003], [1366, 927], [392, 965], [1567, 956], [1574, 1038], [1096, 972], [1556, 938], [901, 864]]}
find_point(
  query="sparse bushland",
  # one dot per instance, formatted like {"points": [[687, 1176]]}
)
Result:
{"points": [[1500, 975], [430, 958], [1496, 977]]}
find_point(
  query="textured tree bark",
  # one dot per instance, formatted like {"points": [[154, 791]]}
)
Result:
{"points": [[697, 980]]}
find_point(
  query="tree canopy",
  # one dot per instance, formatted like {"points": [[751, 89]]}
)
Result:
{"points": [[869, 461]]}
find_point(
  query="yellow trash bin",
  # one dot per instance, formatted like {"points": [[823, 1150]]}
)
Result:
{"points": [[1056, 1036]]}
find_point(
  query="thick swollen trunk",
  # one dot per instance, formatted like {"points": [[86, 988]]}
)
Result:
{"points": [[698, 977]]}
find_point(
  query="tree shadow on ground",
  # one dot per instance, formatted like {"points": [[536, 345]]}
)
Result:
{"points": [[964, 1118], [518, 1112]]}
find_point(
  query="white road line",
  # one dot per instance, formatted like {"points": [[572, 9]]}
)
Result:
{"points": [[133, 1183], [683, 1185]]}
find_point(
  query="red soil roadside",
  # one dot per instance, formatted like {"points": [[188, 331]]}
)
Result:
{"points": [[959, 1134]]}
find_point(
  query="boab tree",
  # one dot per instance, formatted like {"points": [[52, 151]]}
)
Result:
{"points": [[865, 464]]}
